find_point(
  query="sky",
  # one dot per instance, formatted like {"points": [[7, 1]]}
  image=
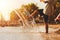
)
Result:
{"points": [[6, 6]]}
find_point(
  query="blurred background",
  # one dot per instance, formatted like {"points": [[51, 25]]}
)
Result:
{"points": [[10, 15]]}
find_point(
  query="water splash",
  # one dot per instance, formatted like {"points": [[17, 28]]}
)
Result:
{"points": [[24, 20]]}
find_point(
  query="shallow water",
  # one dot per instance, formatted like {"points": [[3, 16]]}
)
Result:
{"points": [[20, 33], [26, 29]]}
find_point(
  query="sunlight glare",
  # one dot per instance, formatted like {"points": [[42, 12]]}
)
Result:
{"points": [[3, 9]]}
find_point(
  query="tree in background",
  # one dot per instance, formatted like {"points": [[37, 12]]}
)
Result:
{"points": [[13, 16]]}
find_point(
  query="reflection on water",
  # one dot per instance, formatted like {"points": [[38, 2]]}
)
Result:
{"points": [[28, 36], [20, 36], [34, 33]]}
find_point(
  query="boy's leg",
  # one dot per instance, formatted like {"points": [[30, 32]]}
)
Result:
{"points": [[46, 25], [46, 22]]}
